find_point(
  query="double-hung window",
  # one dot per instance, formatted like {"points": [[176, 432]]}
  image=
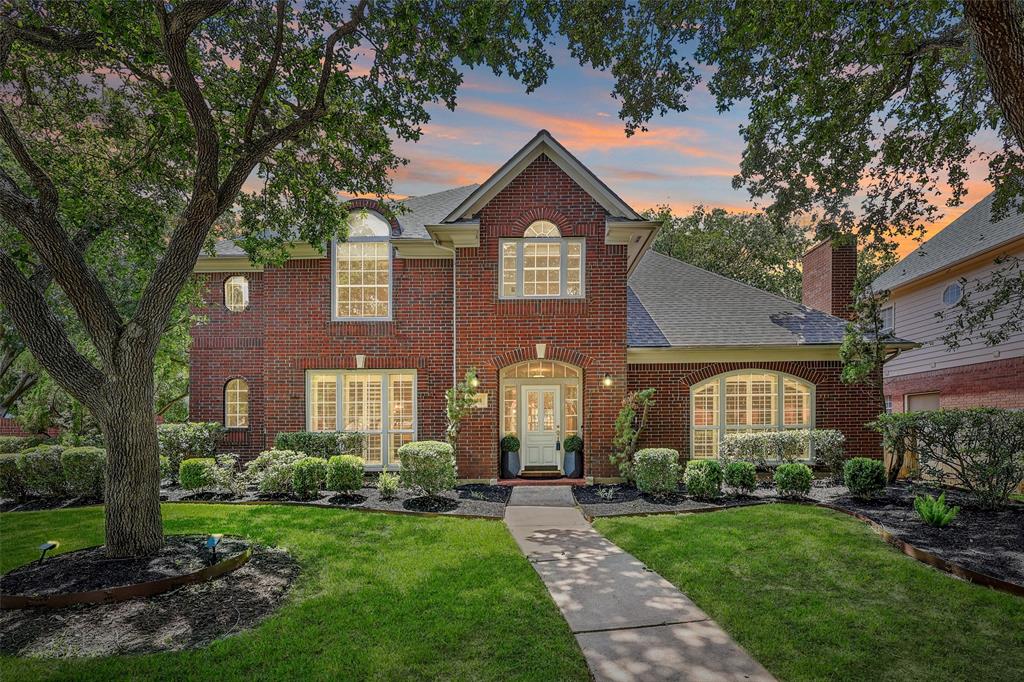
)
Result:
{"points": [[542, 264], [380, 404], [362, 270]]}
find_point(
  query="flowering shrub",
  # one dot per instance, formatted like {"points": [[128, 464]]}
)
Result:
{"points": [[188, 440], [656, 470], [793, 479], [765, 448], [703, 478], [740, 476], [227, 475], [271, 471], [344, 473], [84, 470], [427, 465], [828, 448]]}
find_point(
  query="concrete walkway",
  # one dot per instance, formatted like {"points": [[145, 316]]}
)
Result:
{"points": [[631, 623]]}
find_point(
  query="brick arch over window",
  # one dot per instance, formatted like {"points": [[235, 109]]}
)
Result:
{"points": [[800, 370], [374, 205], [541, 213], [566, 355]]}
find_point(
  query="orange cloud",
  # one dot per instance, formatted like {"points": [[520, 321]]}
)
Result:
{"points": [[444, 171]]}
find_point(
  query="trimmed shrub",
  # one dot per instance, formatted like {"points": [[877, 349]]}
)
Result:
{"points": [[765, 448], [41, 470], [574, 444], [828, 449], [740, 476], [12, 483], [344, 473], [428, 466], [510, 443], [935, 512], [656, 471], [84, 468], [226, 474], [312, 443], [703, 478], [189, 440], [864, 477], [793, 479], [308, 475], [165, 467], [352, 443], [271, 471], [197, 473], [387, 485], [15, 444]]}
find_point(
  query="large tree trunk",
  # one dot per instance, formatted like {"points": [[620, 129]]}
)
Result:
{"points": [[133, 523], [998, 27]]}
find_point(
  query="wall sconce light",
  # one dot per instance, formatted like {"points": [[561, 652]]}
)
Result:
{"points": [[607, 380], [474, 382], [360, 361], [542, 348]]}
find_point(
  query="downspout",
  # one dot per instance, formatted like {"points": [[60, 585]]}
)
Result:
{"points": [[438, 244]]}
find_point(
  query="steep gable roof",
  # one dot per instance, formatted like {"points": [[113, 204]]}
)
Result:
{"points": [[970, 235], [691, 308], [430, 209], [543, 143]]}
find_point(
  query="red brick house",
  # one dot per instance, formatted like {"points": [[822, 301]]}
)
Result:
{"points": [[541, 278]]}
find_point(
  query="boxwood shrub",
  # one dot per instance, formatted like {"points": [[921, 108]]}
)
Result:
{"points": [[308, 476], [84, 469], [575, 444], [427, 466], [42, 472], [344, 473], [12, 484], [793, 479], [189, 440], [387, 485], [864, 477], [15, 444], [197, 473], [656, 471], [510, 443], [703, 478], [312, 443], [740, 476]]}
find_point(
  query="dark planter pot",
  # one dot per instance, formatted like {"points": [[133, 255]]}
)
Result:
{"points": [[572, 465], [509, 464]]}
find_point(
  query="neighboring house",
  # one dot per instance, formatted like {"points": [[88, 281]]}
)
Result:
{"points": [[933, 279], [541, 279]]}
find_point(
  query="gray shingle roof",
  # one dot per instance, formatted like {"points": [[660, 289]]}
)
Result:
{"points": [[971, 234], [429, 209], [691, 307]]}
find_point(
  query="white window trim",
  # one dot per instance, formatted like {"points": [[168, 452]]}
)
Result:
{"points": [[334, 281], [892, 327], [385, 432], [563, 277], [248, 405], [245, 293], [780, 392], [518, 382]]}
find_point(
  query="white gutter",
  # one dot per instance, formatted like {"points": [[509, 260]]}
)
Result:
{"points": [[438, 244]]}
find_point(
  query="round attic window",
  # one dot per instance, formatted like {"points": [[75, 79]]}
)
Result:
{"points": [[952, 294]]}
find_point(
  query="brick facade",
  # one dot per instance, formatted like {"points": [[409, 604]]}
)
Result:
{"points": [[829, 273], [999, 383], [837, 405]]}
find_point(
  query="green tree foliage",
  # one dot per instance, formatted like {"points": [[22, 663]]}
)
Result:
{"points": [[629, 425], [459, 402], [748, 247]]}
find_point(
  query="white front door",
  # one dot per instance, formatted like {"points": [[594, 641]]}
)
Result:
{"points": [[541, 408]]}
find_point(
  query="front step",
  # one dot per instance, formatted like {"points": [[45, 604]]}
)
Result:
{"points": [[541, 473]]}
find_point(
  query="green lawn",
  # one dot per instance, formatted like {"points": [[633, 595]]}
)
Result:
{"points": [[816, 595], [381, 597]]}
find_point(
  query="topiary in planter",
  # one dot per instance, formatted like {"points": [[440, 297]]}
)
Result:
{"points": [[41, 470], [84, 471], [703, 478], [197, 473], [427, 466], [12, 483], [510, 443], [864, 477], [344, 473], [575, 444], [740, 476], [308, 476], [656, 471], [793, 480]]}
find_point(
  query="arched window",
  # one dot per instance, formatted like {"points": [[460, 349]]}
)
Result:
{"points": [[542, 264], [362, 269], [747, 401], [236, 293], [236, 404]]}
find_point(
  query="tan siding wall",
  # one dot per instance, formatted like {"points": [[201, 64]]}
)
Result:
{"points": [[916, 321]]}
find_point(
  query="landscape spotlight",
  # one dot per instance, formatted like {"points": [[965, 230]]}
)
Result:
{"points": [[212, 542], [46, 547]]}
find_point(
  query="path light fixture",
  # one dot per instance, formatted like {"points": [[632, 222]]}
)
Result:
{"points": [[212, 542], [607, 381], [46, 547]]}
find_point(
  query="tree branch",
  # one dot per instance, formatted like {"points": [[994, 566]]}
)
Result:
{"points": [[268, 76], [998, 28], [47, 201]]}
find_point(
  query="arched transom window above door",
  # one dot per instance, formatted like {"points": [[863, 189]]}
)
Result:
{"points": [[517, 394], [744, 402], [542, 264]]}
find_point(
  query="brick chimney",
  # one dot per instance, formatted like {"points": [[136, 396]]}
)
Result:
{"points": [[829, 274]]}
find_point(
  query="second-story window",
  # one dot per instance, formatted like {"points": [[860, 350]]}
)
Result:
{"points": [[362, 269], [542, 264]]}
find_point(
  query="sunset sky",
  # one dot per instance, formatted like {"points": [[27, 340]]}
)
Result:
{"points": [[685, 159]]}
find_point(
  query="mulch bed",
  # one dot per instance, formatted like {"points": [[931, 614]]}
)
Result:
{"points": [[989, 542], [91, 569], [474, 500], [188, 617]]}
